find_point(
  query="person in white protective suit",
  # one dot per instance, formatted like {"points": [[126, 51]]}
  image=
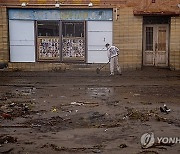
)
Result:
{"points": [[112, 53]]}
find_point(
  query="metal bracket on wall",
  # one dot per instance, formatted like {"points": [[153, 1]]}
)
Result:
{"points": [[117, 14]]}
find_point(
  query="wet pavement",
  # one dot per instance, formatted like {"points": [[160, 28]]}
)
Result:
{"points": [[85, 112]]}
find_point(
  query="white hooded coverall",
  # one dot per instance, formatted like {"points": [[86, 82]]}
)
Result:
{"points": [[112, 52]]}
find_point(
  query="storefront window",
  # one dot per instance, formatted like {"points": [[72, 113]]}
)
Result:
{"points": [[73, 29], [48, 47], [73, 41], [48, 28], [149, 38]]}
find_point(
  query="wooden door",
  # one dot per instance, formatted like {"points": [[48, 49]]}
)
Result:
{"points": [[156, 38], [161, 46]]}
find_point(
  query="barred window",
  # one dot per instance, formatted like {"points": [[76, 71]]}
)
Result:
{"points": [[48, 28], [73, 29]]}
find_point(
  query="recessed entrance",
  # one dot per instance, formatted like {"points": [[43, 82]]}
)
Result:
{"points": [[156, 42]]}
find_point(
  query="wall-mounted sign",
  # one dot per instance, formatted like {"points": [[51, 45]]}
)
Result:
{"points": [[68, 14]]}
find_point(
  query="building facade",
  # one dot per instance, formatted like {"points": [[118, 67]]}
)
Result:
{"points": [[47, 34]]}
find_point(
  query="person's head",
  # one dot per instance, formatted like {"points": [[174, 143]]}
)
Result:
{"points": [[107, 45]]}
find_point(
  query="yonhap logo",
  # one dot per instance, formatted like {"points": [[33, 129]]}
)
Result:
{"points": [[148, 140]]}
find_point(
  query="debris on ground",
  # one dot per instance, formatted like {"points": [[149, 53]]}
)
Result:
{"points": [[77, 103], [94, 149], [54, 109], [164, 109], [14, 109], [89, 104], [4, 139], [7, 151], [113, 103], [72, 113], [6, 116], [19, 126], [123, 146], [134, 114], [148, 152]]}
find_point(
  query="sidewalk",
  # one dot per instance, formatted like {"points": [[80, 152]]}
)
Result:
{"points": [[145, 71]]}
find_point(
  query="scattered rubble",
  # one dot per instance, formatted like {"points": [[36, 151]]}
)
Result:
{"points": [[164, 109], [94, 149], [134, 114], [4, 139], [123, 146], [63, 114], [16, 109]]}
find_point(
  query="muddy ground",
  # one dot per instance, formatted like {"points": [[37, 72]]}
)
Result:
{"points": [[84, 112]]}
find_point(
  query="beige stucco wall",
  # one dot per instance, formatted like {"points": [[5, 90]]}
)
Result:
{"points": [[38, 66], [4, 51], [127, 35], [175, 44]]}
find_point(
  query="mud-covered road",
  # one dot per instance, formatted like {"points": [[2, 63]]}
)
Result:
{"points": [[84, 112]]}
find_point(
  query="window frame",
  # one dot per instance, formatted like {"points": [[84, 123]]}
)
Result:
{"points": [[37, 46], [85, 37], [60, 58]]}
